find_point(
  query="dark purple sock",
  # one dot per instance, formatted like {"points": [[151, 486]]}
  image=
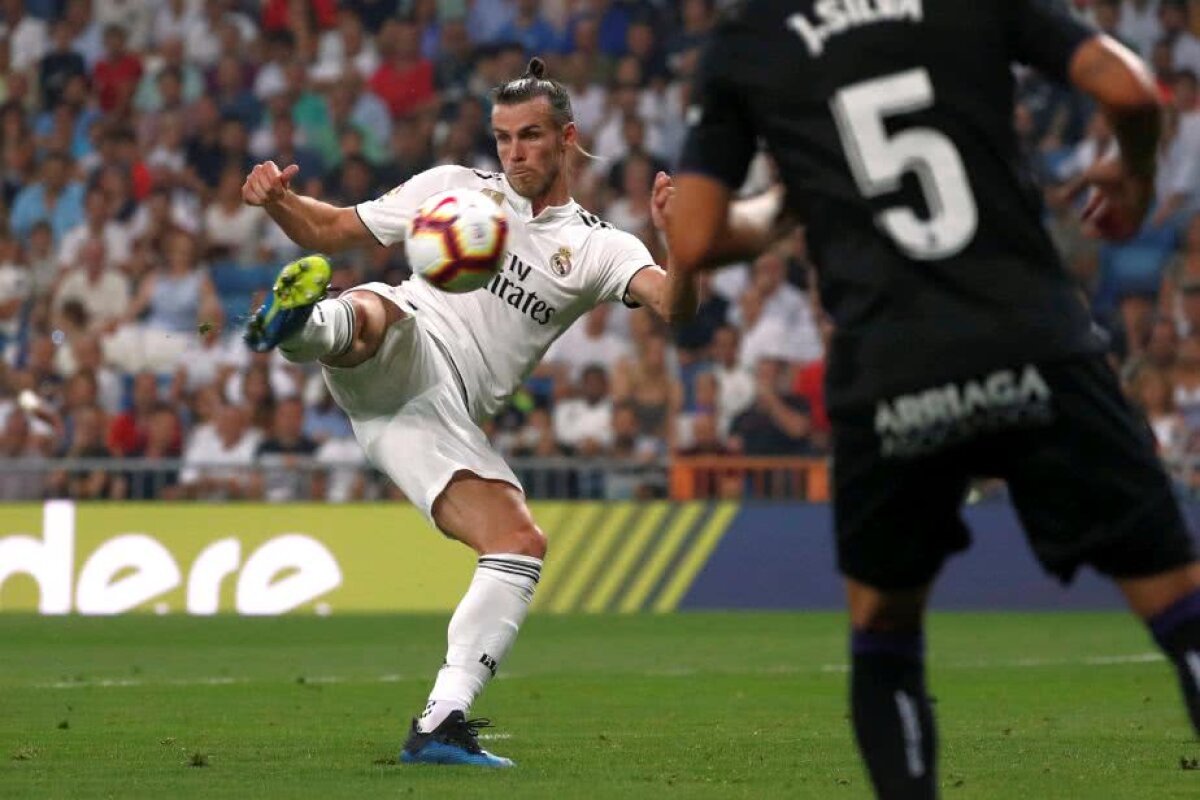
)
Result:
{"points": [[1177, 631], [893, 718]]}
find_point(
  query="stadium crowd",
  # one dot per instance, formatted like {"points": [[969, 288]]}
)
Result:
{"points": [[127, 259]]}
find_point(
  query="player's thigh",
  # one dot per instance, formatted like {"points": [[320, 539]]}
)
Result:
{"points": [[489, 516], [897, 519], [1089, 486]]}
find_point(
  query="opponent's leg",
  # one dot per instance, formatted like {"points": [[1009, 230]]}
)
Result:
{"points": [[1170, 605], [893, 718], [491, 518]]}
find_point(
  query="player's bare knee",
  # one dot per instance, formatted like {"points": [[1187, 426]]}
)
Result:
{"points": [[875, 610], [528, 540]]}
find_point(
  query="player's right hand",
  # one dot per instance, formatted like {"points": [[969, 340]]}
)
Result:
{"points": [[267, 184], [1119, 201]]}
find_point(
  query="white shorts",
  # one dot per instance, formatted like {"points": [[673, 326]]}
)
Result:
{"points": [[408, 408]]}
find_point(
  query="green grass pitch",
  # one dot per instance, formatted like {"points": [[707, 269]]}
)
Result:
{"points": [[688, 705]]}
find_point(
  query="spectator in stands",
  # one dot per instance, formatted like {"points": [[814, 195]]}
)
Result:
{"points": [[1162, 346], [536, 438], [259, 398], [171, 298], [1179, 170], [784, 308], [169, 83], [1153, 393], [279, 456], [205, 159], [98, 223], [405, 79], [287, 149], [705, 402], [452, 67], [1183, 267], [60, 63], [55, 198], [347, 47], [213, 355], [233, 230], [1139, 24], [589, 343], [101, 291], [1185, 47], [28, 36], [218, 461], [127, 431], [1186, 379], [628, 441], [88, 356], [735, 383], [117, 74], [162, 445], [234, 98], [697, 18], [778, 423], [86, 442], [323, 420], [583, 425], [694, 337], [530, 29], [705, 439], [16, 290], [630, 211], [43, 263], [650, 386], [17, 444], [40, 371]]}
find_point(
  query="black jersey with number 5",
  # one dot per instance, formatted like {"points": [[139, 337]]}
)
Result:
{"points": [[891, 123]]}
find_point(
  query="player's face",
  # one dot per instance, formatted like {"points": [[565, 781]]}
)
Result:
{"points": [[531, 147]]}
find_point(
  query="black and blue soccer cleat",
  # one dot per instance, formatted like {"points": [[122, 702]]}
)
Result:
{"points": [[454, 742], [299, 286]]}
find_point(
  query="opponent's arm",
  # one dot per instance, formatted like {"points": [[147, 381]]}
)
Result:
{"points": [[308, 222], [1120, 82]]}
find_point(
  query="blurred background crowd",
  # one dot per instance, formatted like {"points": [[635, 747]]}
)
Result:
{"points": [[128, 261]]}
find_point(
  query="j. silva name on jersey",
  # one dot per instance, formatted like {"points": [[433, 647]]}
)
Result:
{"points": [[833, 17], [507, 286]]}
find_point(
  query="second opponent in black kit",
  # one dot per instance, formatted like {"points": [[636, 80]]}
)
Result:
{"points": [[961, 347]]}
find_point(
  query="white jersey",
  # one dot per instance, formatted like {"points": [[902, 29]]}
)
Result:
{"points": [[558, 265]]}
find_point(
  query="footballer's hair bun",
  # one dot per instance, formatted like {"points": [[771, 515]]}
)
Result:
{"points": [[536, 69]]}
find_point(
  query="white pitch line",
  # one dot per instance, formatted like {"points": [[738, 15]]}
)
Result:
{"points": [[677, 672]]}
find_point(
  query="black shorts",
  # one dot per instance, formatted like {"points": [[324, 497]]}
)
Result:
{"points": [[1079, 461]]}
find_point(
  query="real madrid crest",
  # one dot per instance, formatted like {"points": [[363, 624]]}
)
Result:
{"points": [[496, 197], [560, 262]]}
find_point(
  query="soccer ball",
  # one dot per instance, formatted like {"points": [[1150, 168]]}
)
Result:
{"points": [[456, 242]]}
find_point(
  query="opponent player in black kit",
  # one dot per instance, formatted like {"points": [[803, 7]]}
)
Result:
{"points": [[961, 348]]}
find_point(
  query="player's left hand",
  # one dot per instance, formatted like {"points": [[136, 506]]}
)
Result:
{"points": [[1118, 203], [660, 201]]}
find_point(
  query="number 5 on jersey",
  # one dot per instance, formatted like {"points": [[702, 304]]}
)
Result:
{"points": [[879, 161]]}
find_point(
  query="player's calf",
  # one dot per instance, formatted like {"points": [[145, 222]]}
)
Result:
{"points": [[1175, 623], [891, 710]]}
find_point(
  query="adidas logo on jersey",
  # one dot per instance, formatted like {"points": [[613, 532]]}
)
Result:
{"points": [[834, 17]]}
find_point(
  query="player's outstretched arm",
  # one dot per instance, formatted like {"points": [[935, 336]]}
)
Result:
{"points": [[308, 222]]}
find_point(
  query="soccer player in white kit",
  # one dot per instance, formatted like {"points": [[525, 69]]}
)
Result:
{"points": [[418, 370]]}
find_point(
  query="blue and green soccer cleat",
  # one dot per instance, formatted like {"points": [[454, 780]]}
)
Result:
{"points": [[299, 286], [453, 742]]}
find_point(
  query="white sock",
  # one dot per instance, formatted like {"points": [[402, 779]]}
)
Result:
{"points": [[481, 632], [329, 331]]}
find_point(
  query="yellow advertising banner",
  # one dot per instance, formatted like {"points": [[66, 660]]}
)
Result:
{"points": [[62, 558]]}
